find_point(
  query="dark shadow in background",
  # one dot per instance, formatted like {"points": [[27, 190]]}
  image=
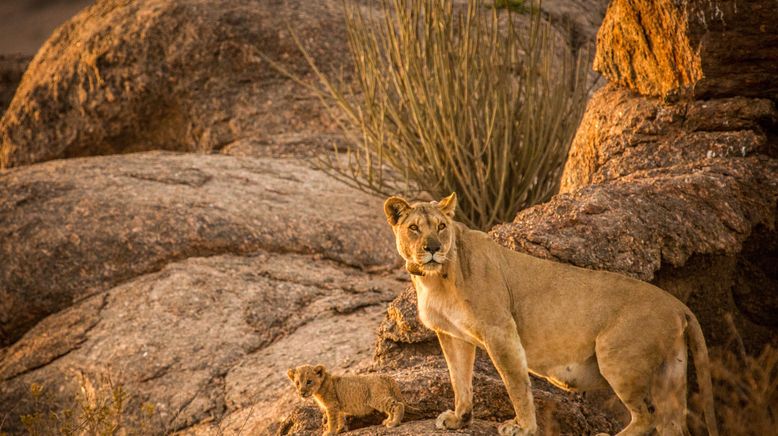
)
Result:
{"points": [[26, 24]]}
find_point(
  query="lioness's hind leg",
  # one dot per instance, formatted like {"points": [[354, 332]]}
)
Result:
{"points": [[629, 367]]}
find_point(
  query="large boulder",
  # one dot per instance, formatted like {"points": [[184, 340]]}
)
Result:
{"points": [[703, 48], [74, 228], [170, 74]]}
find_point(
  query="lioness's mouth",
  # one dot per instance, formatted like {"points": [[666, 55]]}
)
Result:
{"points": [[432, 265]]}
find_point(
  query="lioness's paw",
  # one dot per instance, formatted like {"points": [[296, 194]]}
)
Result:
{"points": [[510, 428], [448, 420]]}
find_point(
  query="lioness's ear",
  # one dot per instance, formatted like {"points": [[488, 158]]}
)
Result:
{"points": [[394, 208], [290, 373], [319, 370], [448, 205]]}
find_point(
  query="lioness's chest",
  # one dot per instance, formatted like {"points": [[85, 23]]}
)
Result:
{"points": [[442, 313]]}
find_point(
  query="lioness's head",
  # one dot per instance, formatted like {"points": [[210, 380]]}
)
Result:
{"points": [[423, 232], [307, 379]]}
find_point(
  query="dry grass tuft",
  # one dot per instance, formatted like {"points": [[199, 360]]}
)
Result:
{"points": [[95, 410], [745, 390]]}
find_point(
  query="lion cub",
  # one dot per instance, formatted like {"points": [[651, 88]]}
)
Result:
{"points": [[353, 395]]}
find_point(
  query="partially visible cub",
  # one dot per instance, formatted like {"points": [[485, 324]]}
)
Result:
{"points": [[353, 395]]}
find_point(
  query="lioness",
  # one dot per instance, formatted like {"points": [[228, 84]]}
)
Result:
{"points": [[352, 395], [580, 329]]}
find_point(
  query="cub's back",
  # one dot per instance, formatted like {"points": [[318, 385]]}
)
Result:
{"points": [[357, 392]]}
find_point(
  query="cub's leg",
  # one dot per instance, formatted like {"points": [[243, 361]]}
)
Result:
{"points": [[335, 421], [460, 356], [630, 361], [507, 353]]}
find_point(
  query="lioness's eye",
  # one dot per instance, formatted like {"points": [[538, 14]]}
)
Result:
{"points": [[414, 227], [441, 226]]}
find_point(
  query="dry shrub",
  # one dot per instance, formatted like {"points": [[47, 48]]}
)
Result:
{"points": [[464, 99], [745, 389], [96, 410]]}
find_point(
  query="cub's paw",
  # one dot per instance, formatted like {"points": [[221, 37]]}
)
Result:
{"points": [[390, 423], [510, 428], [449, 420]]}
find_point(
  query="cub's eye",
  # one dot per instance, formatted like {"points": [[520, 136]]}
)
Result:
{"points": [[414, 227], [310, 382], [441, 226]]}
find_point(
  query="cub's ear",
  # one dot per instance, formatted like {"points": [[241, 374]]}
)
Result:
{"points": [[290, 373], [448, 205], [319, 370], [394, 208]]}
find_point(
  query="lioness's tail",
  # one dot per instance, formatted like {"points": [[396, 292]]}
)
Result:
{"points": [[702, 366]]}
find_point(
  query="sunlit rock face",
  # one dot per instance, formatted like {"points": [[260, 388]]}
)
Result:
{"points": [[700, 48], [171, 74]]}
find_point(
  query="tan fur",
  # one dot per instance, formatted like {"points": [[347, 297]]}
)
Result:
{"points": [[348, 395], [580, 329]]}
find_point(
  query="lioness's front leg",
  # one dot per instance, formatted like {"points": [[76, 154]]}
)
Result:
{"points": [[460, 356], [507, 353]]}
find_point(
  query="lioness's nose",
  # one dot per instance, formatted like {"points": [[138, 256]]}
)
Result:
{"points": [[432, 246]]}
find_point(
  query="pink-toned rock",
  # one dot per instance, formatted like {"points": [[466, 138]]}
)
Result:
{"points": [[70, 229]]}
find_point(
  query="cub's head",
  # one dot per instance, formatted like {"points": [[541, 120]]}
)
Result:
{"points": [[423, 232], [307, 379]]}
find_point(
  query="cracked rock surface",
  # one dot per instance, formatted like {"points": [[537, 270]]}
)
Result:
{"points": [[204, 336]]}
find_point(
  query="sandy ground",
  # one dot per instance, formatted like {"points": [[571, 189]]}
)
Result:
{"points": [[25, 24]]}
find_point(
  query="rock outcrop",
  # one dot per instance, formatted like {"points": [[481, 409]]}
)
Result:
{"points": [[622, 133], [678, 192], [699, 48]]}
